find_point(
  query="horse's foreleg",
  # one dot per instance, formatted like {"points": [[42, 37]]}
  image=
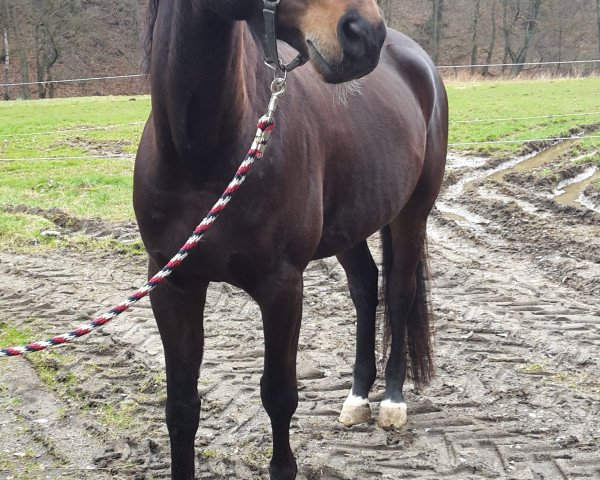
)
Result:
{"points": [[179, 318], [362, 276], [280, 300]]}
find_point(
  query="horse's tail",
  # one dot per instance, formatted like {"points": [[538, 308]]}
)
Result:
{"points": [[151, 14], [415, 327]]}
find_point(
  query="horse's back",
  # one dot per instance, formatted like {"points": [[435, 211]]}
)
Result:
{"points": [[406, 58], [412, 62]]}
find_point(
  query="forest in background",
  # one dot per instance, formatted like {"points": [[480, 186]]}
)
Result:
{"points": [[472, 32], [45, 40]]}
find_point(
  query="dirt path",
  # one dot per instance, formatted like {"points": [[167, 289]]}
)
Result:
{"points": [[515, 285]]}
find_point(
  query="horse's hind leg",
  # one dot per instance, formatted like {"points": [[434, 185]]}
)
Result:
{"points": [[179, 318], [280, 301], [407, 312], [362, 276]]}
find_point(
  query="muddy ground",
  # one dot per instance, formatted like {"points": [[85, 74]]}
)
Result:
{"points": [[515, 288]]}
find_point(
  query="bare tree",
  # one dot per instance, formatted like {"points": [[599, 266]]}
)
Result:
{"points": [[6, 61], [508, 22], [5, 55], [56, 23], [530, 26], [475, 32], [512, 16], [490, 51], [46, 57], [435, 28], [598, 24], [19, 44]]}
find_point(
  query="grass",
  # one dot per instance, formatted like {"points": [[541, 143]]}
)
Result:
{"points": [[102, 188], [25, 464], [10, 336], [121, 416], [23, 126], [582, 383], [517, 99], [49, 366], [85, 188], [21, 232], [533, 368]]}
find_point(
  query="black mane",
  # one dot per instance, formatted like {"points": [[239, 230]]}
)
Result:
{"points": [[148, 34]]}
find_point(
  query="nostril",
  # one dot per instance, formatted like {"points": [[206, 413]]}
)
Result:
{"points": [[352, 31], [359, 38]]}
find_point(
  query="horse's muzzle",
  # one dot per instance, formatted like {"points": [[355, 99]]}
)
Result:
{"points": [[361, 42]]}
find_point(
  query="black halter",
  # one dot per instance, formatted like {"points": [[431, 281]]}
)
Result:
{"points": [[271, 54]]}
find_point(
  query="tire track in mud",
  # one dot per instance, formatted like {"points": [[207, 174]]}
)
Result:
{"points": [[517, 394]]}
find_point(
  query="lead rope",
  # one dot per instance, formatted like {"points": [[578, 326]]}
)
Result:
{"points": [[257, 150]]}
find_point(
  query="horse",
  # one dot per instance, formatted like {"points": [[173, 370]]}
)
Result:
{"points": [[340, 168]]}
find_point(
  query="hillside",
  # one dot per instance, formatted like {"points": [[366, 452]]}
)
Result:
{"points": [[91, 38], [63, 39], [496, 30]]}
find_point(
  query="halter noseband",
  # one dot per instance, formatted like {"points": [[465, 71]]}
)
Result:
{"points": [[270, 51]]}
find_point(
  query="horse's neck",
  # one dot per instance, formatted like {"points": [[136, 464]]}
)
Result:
{"points": [[202, 77]]}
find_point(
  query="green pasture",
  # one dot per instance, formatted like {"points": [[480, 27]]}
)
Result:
{"points": [[499, 111], [32, 131]]}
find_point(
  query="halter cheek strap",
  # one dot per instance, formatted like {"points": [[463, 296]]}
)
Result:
{"points": [[270, 51]]}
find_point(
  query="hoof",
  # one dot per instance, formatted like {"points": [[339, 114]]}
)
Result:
{"points": [[392, 416], [355, 411]]}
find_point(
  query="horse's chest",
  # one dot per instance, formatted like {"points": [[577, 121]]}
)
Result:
{"points": [[233, 249]]}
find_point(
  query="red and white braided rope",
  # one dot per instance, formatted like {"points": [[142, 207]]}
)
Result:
{"points": [[265, 127]]}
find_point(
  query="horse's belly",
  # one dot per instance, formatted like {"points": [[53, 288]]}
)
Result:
{"points": [[361, 214]]}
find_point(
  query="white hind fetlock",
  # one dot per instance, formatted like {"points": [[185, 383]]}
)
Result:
{"points": [[356, 410], [392, 415]]}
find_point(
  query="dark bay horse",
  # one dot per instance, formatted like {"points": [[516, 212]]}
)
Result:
{"points": [[339, 168]]}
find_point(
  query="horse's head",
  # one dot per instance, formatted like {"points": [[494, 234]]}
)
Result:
{"points": [[342, 38]]}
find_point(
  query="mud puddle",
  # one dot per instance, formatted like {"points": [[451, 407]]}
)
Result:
{"points": [[533, 161], [571, 193]]}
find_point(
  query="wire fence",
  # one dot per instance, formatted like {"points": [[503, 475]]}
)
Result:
{"points": [[525, 64], [73, 157], [442, 67], [532, 140], [60, 131], [519, 119], [73, 80]]}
